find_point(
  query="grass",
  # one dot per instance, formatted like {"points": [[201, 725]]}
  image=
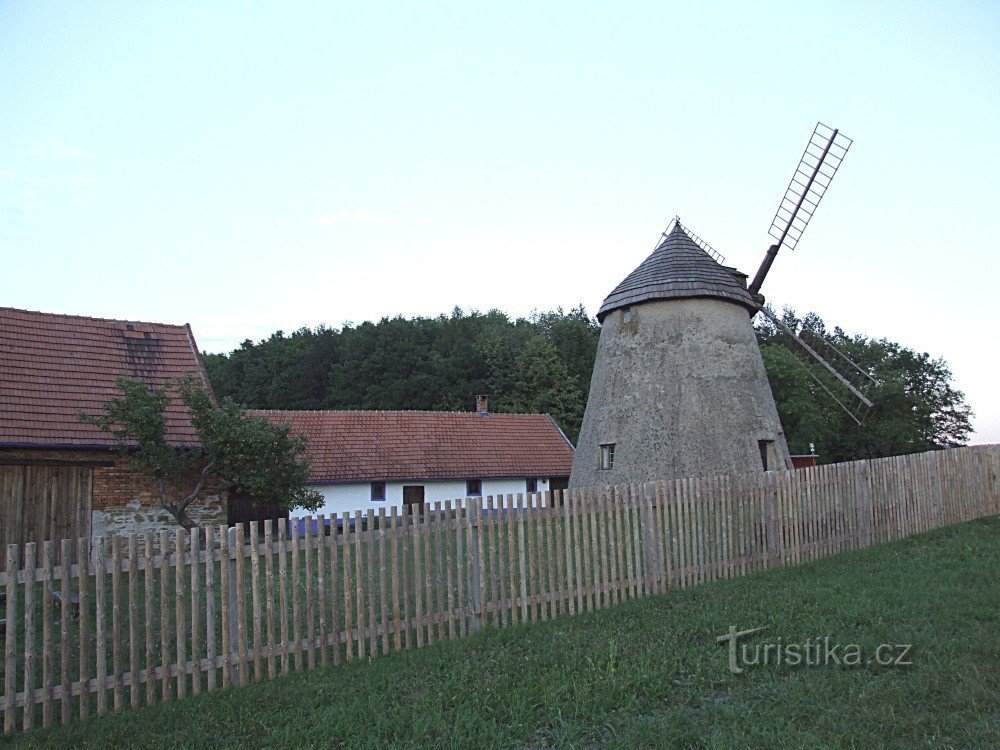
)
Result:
{"points": [[650, 674]]}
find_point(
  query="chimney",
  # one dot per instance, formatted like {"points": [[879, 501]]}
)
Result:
{"points": [[482, 404]]}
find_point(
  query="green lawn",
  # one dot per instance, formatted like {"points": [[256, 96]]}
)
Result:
{"points": [[650, 673]]}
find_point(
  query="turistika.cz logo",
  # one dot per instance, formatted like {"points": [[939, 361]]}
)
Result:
{"points": [[813, 652]]}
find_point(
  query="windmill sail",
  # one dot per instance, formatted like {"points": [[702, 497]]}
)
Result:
{"points": [[820, 161], [848, 387], [823, 156]]}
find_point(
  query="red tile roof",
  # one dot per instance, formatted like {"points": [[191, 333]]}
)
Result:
{"points": [[366, 446], [52, 367]]}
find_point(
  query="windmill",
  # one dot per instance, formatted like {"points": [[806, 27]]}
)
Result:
{"points": [[679, 387], [845, 382]]}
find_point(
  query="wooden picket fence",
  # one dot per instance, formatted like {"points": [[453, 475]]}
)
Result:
{"points": [[139, 620]]}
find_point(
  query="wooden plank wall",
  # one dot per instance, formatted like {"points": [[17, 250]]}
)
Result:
{"points": [[139, 621], [42, 502]]}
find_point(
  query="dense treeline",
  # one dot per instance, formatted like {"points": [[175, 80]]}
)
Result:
{"points": [[537, 365], [544, 364]]}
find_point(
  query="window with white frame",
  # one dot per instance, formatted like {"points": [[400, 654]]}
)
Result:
{"points": [[607, 460]]}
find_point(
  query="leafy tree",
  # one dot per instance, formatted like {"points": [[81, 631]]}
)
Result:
{"points": [[239, 452]]}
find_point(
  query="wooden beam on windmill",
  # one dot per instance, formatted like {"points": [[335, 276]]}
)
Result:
{"points": [[853, 380], [820, 161]]}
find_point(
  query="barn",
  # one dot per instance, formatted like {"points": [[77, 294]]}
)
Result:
{"points": [[363, 460], [62, 478]]}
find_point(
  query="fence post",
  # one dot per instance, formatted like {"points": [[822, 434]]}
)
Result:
{"points": [[476, 563], [231, 614], [864, 505], [775, 546], [10, 642], [989, 455]]}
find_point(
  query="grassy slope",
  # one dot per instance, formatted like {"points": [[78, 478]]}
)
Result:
{"points": [[649, 673]]}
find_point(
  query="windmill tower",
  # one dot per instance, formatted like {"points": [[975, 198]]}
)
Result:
{"points": [[679, 387]]}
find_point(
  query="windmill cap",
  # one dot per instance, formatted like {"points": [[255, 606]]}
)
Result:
{"points": [[679, 269]]}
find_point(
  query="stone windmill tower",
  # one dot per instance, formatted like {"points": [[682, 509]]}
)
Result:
{"points": [[679, 387]]}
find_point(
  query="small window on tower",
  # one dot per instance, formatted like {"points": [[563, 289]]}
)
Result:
{"points": [[607, 456], [765, 452], [627, 315]]}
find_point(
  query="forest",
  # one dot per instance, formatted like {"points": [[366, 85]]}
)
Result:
{"points": [[543, 363]]}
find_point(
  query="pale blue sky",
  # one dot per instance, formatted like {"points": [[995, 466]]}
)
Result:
{"points": [[250, 167]]}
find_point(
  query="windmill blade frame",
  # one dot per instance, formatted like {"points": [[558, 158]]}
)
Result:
{"points": [[857, 390], [824, 153], [822, 157]]}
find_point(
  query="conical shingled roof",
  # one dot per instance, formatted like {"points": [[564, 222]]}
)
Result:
{"points": [[678, 269]]}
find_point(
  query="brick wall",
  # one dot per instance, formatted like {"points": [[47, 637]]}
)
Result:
{"points": [[124, 501]]}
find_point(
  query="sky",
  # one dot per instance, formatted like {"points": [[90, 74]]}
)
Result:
{"points": [[250, 167]]}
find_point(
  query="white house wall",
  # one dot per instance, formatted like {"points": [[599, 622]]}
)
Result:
{"points": [[347, 498]]}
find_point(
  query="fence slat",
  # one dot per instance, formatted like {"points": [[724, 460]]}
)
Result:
{"points": [[133, 619], [101, 644], [241, 605], [180, 599], [256, 604], [210, 609], [322, 535], [296, 585], [359, 584], [47, 617], [383, 584], [428, 571], [10, 640], [83, 639], [164, 617], [283, 594], [348, 581], [461, 568], [194, 545], [397, 640], [335, 609], [65, 632], [225, 606], [309, 609], [513, 565], [449, 564]]}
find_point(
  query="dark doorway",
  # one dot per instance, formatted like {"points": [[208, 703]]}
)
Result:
{"points": [[413, 499]]}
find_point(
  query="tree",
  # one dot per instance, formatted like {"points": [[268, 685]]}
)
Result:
{"points": [[239, 452]]}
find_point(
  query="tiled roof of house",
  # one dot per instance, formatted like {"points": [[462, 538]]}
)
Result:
{"points": [[678, 269], [52, 367], [367, 446]]}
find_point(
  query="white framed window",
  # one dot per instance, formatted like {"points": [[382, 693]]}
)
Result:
{"points": [[607, 457]]}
